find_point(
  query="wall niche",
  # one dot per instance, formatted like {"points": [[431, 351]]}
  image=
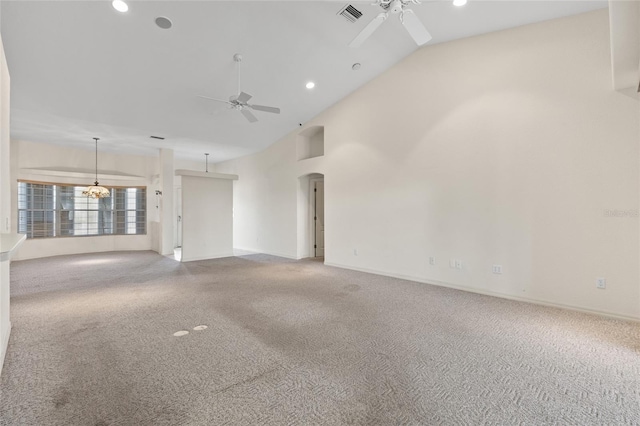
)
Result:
{"points": [[310, 143]]}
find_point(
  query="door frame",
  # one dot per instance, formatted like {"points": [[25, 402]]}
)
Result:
{"points": [[312, 211], [178, 217]]}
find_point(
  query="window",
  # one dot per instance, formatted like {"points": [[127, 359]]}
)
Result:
{"points": [[51, 210]]}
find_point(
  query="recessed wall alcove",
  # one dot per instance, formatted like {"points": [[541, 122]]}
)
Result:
{"points": [[310, 143]]}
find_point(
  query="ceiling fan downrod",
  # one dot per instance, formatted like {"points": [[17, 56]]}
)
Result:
{"points": [[238, 58]]}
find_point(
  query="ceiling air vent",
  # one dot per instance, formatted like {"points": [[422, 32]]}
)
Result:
{"points": [[350, 13]]}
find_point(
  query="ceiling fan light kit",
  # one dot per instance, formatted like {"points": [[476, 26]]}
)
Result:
{"points": [[240, 102], [409, 20]]}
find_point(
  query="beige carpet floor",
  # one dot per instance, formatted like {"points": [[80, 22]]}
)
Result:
{"points": [[298, 343]]}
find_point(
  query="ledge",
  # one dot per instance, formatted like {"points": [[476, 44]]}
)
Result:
{"points": [[182, 172], [9, 243], [82, 173]]}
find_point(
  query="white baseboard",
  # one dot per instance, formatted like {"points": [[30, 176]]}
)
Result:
{"points": [[5, 346], [270, 253], [490, 293]]}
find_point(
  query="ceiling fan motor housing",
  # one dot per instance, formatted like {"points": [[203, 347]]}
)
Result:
{"points": [[395, 6]]}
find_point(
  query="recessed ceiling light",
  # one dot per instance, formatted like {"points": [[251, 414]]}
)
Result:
{"points": [[120, 5], [311, 85], [163, 22], [459, 2]]}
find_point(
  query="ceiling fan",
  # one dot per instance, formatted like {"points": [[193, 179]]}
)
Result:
{"points": [[240, 101], [412, 24]]}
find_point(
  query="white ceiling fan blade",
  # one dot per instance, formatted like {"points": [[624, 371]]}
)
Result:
{"points": [[214, 99], [368, 30], [416, 29], [243, 97], [248, 115], [265, 108]]}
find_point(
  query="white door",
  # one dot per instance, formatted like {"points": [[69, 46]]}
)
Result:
{"points": [[318, 191]]}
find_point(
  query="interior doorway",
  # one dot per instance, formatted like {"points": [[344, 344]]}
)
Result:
{"points": [[178, 216], [311, 216], [177, 236], [318, 216]]}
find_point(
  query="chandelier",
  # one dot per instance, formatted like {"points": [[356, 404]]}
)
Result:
{"points": [[95, 190]]}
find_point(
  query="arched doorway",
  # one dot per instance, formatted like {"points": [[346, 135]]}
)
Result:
{"points": [[311, 217]]}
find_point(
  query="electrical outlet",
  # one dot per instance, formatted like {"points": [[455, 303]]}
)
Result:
{"points": [[458, 264], [497, 269], [601, 283], [432, 260], [355, 252], [452, 263]]}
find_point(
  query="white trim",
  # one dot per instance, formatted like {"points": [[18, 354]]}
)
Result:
{"points": [[182, 172], [312, 213], [5, 347], [286, 256], [9, 243], [490, 293], [79, 173]]}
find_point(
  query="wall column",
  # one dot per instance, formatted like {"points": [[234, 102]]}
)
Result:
{"points": [[167, 209]]}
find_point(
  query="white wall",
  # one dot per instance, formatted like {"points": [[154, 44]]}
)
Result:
{"points": [[265, 205], [207, 211], [5, 193], [508, 148], [119, 170], [165, 202], [198, 166], [5, 145]]}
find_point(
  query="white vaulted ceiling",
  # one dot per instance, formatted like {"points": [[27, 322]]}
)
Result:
{"points": [[81, 69]]}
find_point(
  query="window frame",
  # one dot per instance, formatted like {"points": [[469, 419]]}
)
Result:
{"points": [[53, 225]]}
